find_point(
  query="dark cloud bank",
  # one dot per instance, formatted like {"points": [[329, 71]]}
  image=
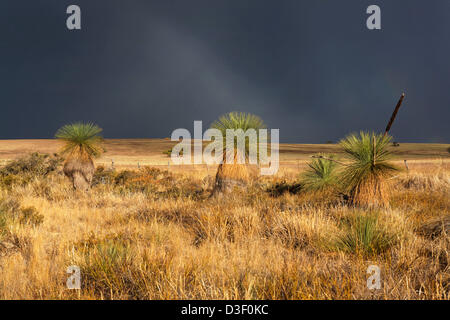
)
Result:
{"points": [[143, 68]]}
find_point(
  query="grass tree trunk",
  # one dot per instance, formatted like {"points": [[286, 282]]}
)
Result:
{"points": [[231, 175], [80, 172], [373, 193]]}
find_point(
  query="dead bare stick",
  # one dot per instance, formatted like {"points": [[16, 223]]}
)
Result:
{"points": [[394, 114]]}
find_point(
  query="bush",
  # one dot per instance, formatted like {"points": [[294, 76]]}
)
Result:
{"points": [[34, 164], [283, 187], [23, 170], [103, 176], [12, 213], [147, 180], [124, 177]]}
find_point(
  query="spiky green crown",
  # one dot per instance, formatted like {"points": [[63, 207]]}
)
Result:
{"points": [[236, 121], [82, 139], [321, 173], [368, 154]]}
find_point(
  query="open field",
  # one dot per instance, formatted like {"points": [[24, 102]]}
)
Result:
{"points": [[127, 153], [157, 233]]}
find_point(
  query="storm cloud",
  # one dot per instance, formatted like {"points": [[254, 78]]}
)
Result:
{"points": [[144, 68]]}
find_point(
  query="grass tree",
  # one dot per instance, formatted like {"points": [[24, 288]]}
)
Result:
{"points": [[321, 174], [81, 143], [366, 173], [232, 173]]}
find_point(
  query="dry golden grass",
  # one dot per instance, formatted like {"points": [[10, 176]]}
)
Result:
{"points": [[158, 235], [127, 153]]}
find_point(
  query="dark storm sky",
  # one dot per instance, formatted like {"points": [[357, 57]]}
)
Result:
{"points": [[144, 68]]}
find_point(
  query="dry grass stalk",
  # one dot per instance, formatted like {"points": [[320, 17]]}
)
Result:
{"points": [[173, 242]]}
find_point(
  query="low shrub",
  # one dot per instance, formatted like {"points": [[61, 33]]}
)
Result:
{"points": [[103, 176], [283, 187], [150, 181], [34, 164], [25, 169], [11, 212]]}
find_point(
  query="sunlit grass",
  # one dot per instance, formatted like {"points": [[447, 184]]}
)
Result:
{"points": [[172, 241]]}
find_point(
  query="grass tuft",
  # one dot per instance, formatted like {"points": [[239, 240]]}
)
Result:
{"points": [[364, 235], [320, 175]]}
